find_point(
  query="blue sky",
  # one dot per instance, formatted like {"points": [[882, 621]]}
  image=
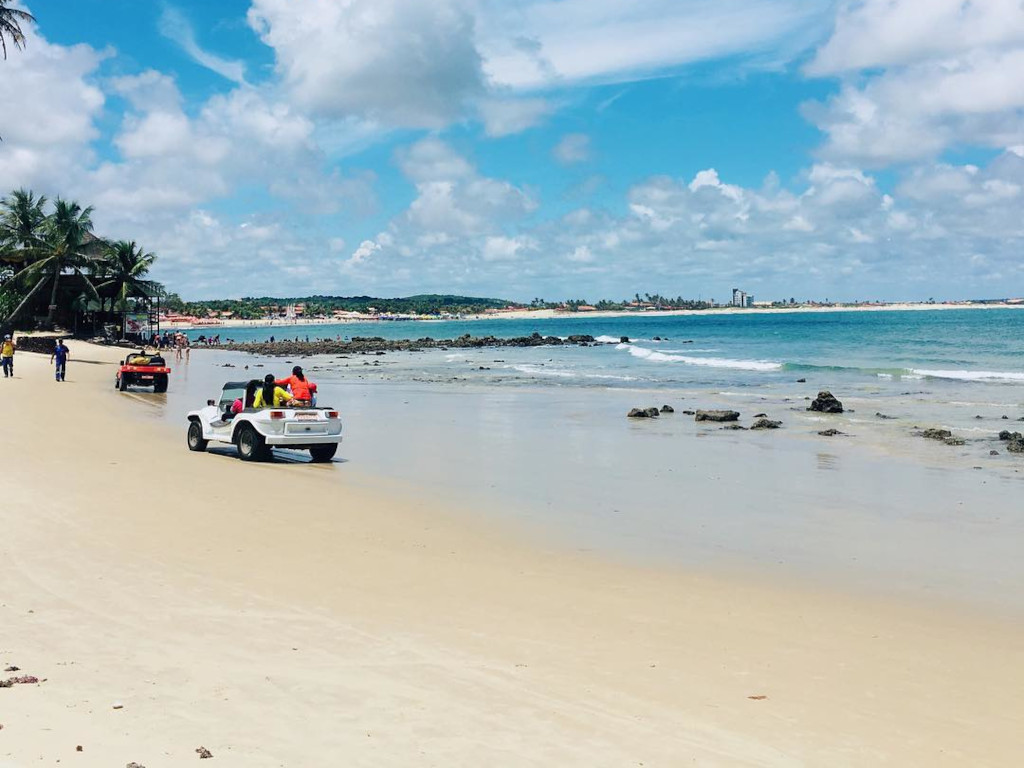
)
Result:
{"points": [[556, 148]]}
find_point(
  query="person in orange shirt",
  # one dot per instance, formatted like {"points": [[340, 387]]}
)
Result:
{"points": [[302, 388]]}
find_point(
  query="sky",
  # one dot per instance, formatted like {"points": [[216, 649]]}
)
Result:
{"points": [[851, 150]]}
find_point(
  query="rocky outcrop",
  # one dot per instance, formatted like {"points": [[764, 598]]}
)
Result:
{"points": [[936, 434], [1014, 441], [374, 344], [830, 432], [643, 413], [716, 415], [667, 409], [826, 402], [766, 424]]}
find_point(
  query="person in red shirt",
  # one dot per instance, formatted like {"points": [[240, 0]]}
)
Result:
{"points": [[302, 388]]}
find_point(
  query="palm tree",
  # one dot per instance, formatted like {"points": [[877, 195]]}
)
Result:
{"points": [[10, 26], [67, 235], [124, 268], [21, 227]]}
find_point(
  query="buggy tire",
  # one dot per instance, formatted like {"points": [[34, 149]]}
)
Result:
{"points": [[195, 436], [251, 446], [160, 382], [321, 454], [122, 382]]}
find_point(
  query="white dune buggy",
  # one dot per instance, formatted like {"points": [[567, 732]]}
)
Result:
{"points": [[256, 431]]}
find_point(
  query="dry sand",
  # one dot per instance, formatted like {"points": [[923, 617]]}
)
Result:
{"points": [[290, 614]]}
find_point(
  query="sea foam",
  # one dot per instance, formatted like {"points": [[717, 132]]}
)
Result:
{"points": [[971, 375], [710, 362]]}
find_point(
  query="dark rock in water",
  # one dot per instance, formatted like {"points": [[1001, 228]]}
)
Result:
{"points": [[657, 338], [936, 434], [1008, 435], [1005, 417], [624, 339], [1015, 446], [993, 453], [955, 441], [734, 426], [689, 413], [825, 402], [203, 753], [801, 381], [766, 424], [977, 417], [667, 409], [830, 432], [716, 415], [881, 415], [642, 413], [760, 415]]}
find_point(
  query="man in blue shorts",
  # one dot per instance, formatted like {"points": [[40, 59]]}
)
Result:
{"points": [[61, 354]]}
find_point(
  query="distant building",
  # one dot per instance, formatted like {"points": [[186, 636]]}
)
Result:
{"points": [[741, 299]]}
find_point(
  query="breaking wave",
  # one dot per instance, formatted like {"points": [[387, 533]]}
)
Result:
{"points": [[709, 362]]}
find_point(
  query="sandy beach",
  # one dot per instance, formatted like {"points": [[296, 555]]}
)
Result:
{"points": [[289, 614]]}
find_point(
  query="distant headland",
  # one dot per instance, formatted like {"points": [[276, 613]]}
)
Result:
{"points": [[312, 310]]}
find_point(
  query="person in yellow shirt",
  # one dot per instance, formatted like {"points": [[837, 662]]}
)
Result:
{"points": [[7, 355], [270, 393]]}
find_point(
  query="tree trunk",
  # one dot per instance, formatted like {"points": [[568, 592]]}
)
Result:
{"points": [[24, 302], [52, 309]]}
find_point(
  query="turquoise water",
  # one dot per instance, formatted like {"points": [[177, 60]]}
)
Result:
{"points": [[977, 346], [539, 435]]}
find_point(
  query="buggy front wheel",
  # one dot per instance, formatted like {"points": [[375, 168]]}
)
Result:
{"points": [[195, 437]]}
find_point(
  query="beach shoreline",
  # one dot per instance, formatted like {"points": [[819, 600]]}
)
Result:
{"points": [[547, 314], [296, 614]]}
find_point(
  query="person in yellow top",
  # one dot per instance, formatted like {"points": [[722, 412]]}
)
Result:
{"points": [[7, 355], [270, 393]]}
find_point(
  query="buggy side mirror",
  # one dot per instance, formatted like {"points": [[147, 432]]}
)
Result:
{"points": [[122, 362], [211, 402]]}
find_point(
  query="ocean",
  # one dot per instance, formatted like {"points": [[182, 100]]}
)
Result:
{"points": [[760, 348], [538, 437]]}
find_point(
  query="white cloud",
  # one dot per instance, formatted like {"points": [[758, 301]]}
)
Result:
{"points": [[573, 148], [502, 248], [50, 104], [506, 116], [540, 43], [941, 73], [885, 33], [402, 62], [175, 27]]}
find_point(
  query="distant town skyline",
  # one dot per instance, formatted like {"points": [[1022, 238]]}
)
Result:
{"points": [[582, 148]]}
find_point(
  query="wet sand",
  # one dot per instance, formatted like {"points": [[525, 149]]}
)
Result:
{"points": [[294, 614]]}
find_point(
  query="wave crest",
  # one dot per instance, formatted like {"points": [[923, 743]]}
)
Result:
{"points": [[709, 362]]}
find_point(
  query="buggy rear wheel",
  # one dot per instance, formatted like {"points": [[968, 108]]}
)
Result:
{"points": [[122, 382], [323, 453], [251, 446], [160, 382], [195, 437]]}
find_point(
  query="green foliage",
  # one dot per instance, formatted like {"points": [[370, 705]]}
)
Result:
{"points": [[58, 251], [10, 26]]}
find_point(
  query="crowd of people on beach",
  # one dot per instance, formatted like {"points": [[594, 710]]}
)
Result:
{"points": [[177, 341]]}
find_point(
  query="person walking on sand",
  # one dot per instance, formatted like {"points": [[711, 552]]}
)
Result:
{"points": [[7, 355], [60, 354]]}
